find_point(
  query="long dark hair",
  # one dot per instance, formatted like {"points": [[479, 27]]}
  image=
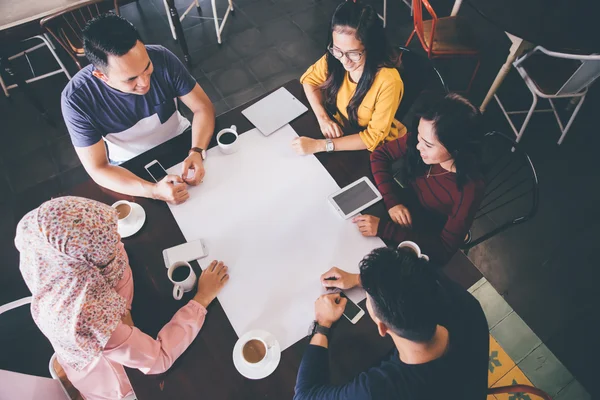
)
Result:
{"points": [[369, 30], [457, 125]]}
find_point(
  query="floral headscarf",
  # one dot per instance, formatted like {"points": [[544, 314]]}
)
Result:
{"points": [[71, 259]]}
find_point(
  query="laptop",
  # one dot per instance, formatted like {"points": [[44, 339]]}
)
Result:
{"points": [[274, 111]]}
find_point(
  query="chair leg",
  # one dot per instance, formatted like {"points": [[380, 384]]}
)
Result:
{"points": [[562, 137], [170, 21], [474, 74], [410, 38], [50, 47], [384, 13], [527, 118], [4, 88], [214, 8]]}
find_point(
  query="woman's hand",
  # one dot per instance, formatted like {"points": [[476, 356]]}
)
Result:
{"points": [[337, 278], [305, 146], [400, 215], [210, 283], [330, 128], [367, 224]]}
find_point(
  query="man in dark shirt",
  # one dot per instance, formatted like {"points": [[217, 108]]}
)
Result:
{"points": [[439, 331]]}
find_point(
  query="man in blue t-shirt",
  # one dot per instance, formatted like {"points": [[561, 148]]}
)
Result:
{"points": [[125, 103], [439, 331]]}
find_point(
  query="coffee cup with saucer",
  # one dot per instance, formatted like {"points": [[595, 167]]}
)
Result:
{"points": [[131, 217], [256, 354]]}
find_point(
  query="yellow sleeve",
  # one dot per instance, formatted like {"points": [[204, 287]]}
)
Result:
{"points": [[386, 105], [316, 74]]}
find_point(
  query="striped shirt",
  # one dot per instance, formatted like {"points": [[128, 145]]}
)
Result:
{"points": [[441, 213]]}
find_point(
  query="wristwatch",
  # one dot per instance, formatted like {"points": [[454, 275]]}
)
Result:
{"points": [[329, 147], [316, 328], [198, 150]]}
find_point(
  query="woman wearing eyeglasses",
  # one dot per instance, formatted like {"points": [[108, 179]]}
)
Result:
{"points": [[354, 89]]}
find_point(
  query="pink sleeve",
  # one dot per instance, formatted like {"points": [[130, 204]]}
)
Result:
{"points": [[133, 348]]}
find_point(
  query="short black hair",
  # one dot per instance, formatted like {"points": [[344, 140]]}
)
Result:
{"points": [[403, 290], [108, 34]]}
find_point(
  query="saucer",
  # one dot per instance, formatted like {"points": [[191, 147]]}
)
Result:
{"points": [[132, 227], [273, 355]]}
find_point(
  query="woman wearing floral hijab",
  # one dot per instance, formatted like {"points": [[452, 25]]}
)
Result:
{"points": [[76, 268]]}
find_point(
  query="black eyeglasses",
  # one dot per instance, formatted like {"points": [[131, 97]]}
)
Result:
{"points": [[354, 56]]}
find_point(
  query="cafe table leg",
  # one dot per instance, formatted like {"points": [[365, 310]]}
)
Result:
{"points": [[176, 23], [518, 47], [456, 7]]}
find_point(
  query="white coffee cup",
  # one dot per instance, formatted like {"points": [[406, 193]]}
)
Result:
{"points": [[414, 247], [260, 363], [124, 218], [187, 284], [231, 147]]}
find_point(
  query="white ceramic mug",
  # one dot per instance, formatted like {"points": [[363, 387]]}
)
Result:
{"points": [[231, 147], [264, 360], [128, 218], [179, 288], [414, 247]]}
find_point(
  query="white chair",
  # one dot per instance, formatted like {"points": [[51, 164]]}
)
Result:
{"points": [[552, 75], [45, 43], [195, 3]]}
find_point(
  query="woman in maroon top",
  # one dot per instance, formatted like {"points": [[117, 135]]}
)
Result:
{"points": [[430, 180]]}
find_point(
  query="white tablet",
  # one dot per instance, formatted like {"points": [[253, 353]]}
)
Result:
{"points": [[274, 111], [355, 197]]}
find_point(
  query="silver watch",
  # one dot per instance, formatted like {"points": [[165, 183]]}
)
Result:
{"points": [[329, 147]]}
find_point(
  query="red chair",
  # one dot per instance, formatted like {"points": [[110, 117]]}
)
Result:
{"points": [[520, 389], [443, 37]]}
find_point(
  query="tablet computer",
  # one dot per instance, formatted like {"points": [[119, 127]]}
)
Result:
{"points": [[355, 197]]}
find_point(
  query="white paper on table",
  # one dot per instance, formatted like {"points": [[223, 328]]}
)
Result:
{"points": [[264, 212]]}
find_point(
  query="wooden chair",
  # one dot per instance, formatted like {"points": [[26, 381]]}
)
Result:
{"points": [[443, 37], [66, 26], [552, 75], [520, 389]]}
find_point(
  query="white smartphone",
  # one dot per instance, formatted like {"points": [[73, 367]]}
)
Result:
{"points": [[352, 311], [156, 170], [187, 252]]}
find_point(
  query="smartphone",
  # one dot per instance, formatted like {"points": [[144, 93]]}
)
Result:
{"points": [[352, 311], [187, 252], [156, 171]]}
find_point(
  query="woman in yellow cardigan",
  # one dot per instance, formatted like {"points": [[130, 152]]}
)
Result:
{"points": [[354, 89]]}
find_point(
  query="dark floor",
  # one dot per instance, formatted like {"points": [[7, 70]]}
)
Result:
{"points": [[545, 269]]}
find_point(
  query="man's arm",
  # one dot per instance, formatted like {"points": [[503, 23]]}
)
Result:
{"points": [[313, 375], [203, 126], [118, 179]]}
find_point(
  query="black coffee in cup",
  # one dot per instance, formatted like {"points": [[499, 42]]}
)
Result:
{"points": [[227, 138], [180, 274]]}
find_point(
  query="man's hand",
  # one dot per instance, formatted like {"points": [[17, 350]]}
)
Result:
{"points": [[305, 145], [193, 162], [329, 308], [171, 189], [337, 278], [400, 215], [367, 224], [210, 282]]}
